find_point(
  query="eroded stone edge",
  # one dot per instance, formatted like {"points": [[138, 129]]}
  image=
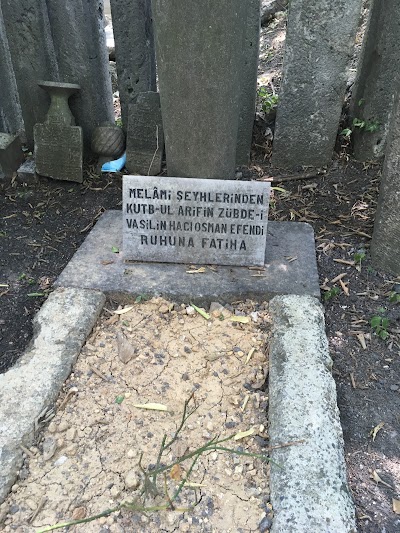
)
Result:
{"points": [[309, 490], [33, 384]]}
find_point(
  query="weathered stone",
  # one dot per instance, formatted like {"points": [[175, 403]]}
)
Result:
{"points": [[58, 144], [27, 172], [11, 154], [385, 246], [376, 82], [247, 105], [32, 54], [319, 42], [199, 48], [80, 47], [10, 109], [145, 139], [96, 266], [134, 50], [187, 220]]}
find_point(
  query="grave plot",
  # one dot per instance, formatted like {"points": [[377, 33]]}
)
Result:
{"points": [[89, 458]]}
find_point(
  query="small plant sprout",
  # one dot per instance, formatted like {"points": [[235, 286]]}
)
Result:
{"points": [[358, 258], [268, 100], [366, 125], [346, 133], [380, 324], [394, 297], [331, 293]]}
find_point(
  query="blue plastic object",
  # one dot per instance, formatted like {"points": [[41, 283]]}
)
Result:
{"points": [[115, 166]]}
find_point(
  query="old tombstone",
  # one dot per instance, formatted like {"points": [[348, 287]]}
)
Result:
{"points": [[186, 220], [27, 172], [319, 43], [249, 71], [58, 142], [199, 47], [11, 154], [385, 246], [134, 51], [145, 139], [376, 82]]}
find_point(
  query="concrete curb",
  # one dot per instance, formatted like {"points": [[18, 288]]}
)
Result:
{"points": [[309, 490], [33, 384]]}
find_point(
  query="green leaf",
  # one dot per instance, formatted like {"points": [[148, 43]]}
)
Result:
{"points": [[115, 250], [385, 323], [375, 321], [119, 399], [383, 334], [394, 297], [34, 294], [346, 132]]}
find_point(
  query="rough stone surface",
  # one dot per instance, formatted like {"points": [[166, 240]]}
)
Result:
{"points": [[145, 139], [377, 80], [95, 266], [11, 154], [27, 172], [10, 108], [199, 49], [60, 329], [385, 246], [247, 104], [134, 50], [188, 220], [80, 48], [58, 151], [319, 43], [309, 490]]}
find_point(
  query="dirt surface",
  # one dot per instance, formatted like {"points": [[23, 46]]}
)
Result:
{"points": [[88, 459]]}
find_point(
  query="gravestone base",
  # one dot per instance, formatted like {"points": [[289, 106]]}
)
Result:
{"points": [[27, 172], [11, 154], [290, 268]]}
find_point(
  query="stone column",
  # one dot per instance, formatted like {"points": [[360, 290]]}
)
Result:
{"points": [[199, 48], [32, 54], [319, 44], [249, 73], [373, 93], [10, 109], [80, 45], [385, 246], [134, 51]]}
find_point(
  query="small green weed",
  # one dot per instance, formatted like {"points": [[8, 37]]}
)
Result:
{"points": [[331, 293], [268, 100], [118, 122], [394, 297], [365, 125], [359, 258], [380, 324]]}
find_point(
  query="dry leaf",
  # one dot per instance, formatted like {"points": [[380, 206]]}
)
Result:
{"points": [[200, 270], [249, 355], [79, 513], [396, 506], [344, 262], [361, 340], [377, 428], [124, 310], [176, 473], [201, 312], [243, 434], [241, 319], [126, 351], [345, 288], [378, 479], [340, 276], [152, 406]]}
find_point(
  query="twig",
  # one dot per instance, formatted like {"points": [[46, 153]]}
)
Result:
{"points": [[156, 150], [292, 177], [41, 503]]}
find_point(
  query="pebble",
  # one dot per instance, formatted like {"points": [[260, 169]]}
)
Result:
{"points": [[394, 387], [71, 450], [115, 491], [190, 310], [131, 480], [79, 513], [61, 460], [164, 309], [49, 448], [131, 454], [70, 434], [265, 524], [52, 427], [63, 426]]}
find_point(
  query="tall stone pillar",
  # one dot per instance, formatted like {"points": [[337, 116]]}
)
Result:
{"points": [[199, 48], [249, 71], [134, 51], [10, 109], [32, 54], [80, 46], [373, 92], [319, 43], [385, 246]]}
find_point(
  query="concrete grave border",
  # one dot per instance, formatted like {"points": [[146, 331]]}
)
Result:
{"points": [[309, 493]]}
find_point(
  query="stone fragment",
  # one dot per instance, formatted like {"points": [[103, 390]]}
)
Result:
{"points": [[190, 310], [376, 82], [132, 481], [126, 351], [70, 434], [49, 448], [199, 47], [145, 139], [27, 172], [319, 42], [11, 154], [63, 426], [79, 513], [164, 309], [134, 51]]}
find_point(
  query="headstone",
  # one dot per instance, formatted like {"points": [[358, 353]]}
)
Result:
{"points": [[199, 47], [58, 143], [376, 82], [145, 139], [11, 154], [249, 73], [27, 172], [80, 48], [319, 42], [32, 53], [186, 220], [10, 108], [385, 246], [134, 51]]}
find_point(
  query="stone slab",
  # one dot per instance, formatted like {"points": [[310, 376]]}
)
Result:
{"points": [[95, 266], [186, 220], [31, 386], [145, 138], [319, 43], [27, 172], [309, 490], [59, 151], [11, 154]]}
